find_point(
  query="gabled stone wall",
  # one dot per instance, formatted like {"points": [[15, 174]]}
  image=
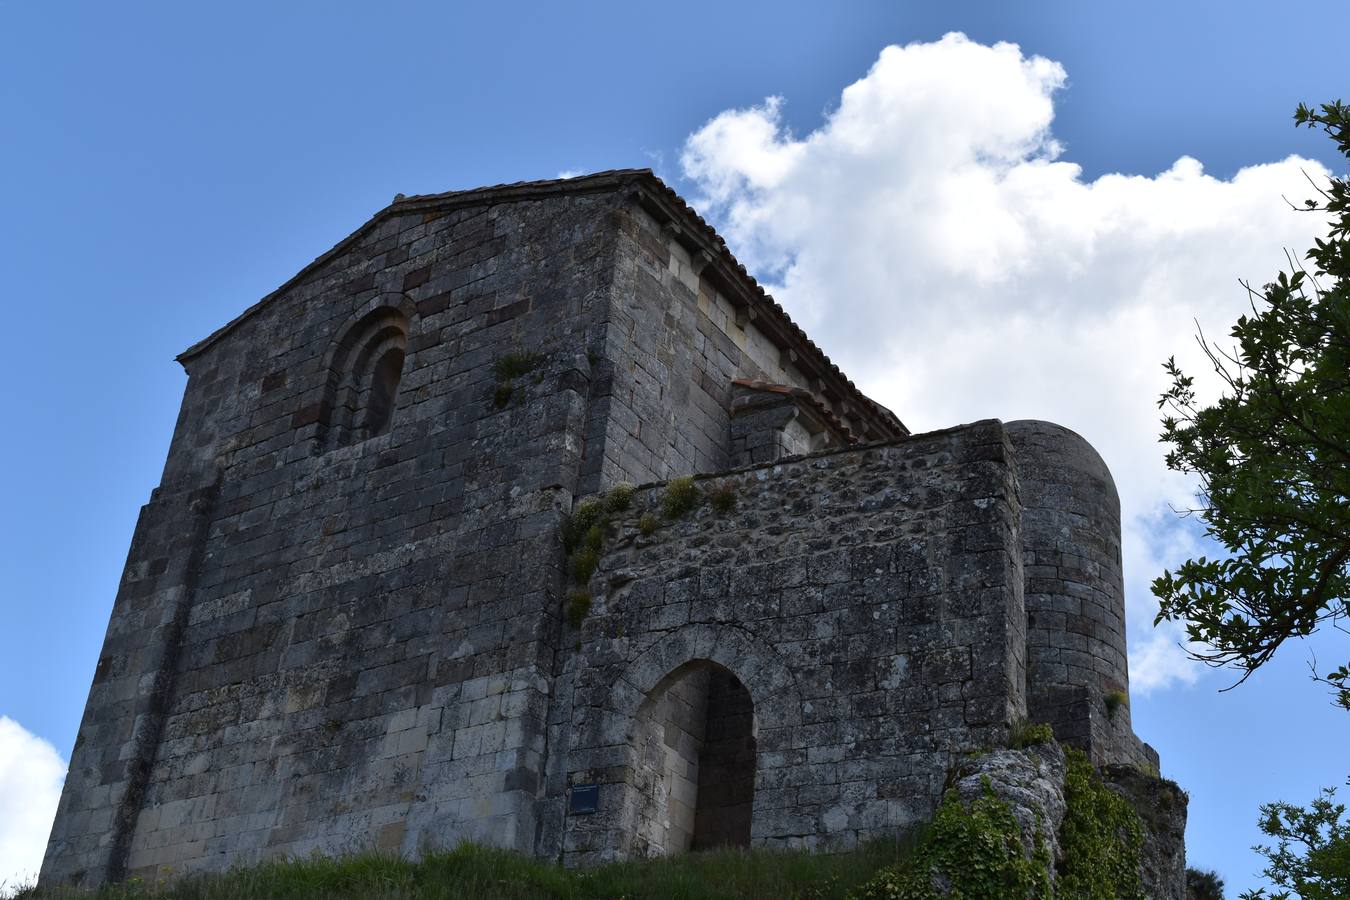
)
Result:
{"points": [[320, 646]]}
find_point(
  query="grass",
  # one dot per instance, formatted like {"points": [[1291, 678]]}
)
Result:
{"points": [[515, 365], [477, 872], [1114, 701], [680, 497], [723, 497]]}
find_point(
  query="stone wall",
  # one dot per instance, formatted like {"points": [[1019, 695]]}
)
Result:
{"points": [[870, 601], [318, 645], [1077, 669], [674, 343]]}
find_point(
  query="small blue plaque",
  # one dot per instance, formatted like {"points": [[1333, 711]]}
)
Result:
{"points": [[583, 799]]}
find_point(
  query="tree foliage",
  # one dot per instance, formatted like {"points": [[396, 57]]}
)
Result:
{"points": [[1273, 455], [1203, 885], [1311, 856]]}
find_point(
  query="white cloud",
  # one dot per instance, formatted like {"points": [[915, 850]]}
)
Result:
{"points": [[31, 775], [933, 237]]}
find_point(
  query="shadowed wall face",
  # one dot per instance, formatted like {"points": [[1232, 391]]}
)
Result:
{"points": [[337, 624]]}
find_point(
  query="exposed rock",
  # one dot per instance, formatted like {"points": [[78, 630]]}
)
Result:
{"points": [[1161, 806], [1031, 782]]}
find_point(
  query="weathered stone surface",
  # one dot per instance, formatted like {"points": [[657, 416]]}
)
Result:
{"points": [[1031, 782], [341, 622], [1161, 806]]}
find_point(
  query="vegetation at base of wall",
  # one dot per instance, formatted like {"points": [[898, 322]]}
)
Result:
{"points": [[1100, 838], [577, 608], [1150, 768], [681, 496], [1114, 701], [484, 874], [970, 850]]}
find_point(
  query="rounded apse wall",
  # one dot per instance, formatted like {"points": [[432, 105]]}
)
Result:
{"points": [[1077, 673]]}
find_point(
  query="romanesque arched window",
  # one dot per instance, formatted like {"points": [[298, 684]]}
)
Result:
{"points": [[363, 376]]}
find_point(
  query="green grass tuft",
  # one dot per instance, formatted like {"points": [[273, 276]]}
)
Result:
{"points": [[583, 565], [1025, 734], [619, 497], [501, 397], [723, 497], [680, 497], [586, 515], [1114, 701], [515, 365], [648, 524]]}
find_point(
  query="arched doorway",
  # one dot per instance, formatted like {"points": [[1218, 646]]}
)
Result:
{"points": [[695, 774]]}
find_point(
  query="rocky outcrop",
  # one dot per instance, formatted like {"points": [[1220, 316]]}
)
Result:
{"points": [[1161, 806], [1031, 782]]}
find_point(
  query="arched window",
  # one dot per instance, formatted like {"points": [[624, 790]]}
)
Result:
{"points": [[363, 377]]}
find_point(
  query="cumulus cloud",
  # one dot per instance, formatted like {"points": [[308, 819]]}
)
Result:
{"points": [[934, 237], [31, 775]]}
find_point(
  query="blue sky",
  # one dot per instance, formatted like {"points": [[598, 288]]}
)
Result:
{"points": [[162, 166]]}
